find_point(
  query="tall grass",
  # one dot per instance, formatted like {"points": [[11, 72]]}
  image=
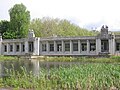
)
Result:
{"points": [[76, 77], [111, 59], [2, 57], [22, 78]]}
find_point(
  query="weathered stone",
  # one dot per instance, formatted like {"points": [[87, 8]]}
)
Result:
{"points": [[103, 43]]}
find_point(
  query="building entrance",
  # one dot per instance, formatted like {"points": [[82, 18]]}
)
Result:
{"points": [[104, 46]]}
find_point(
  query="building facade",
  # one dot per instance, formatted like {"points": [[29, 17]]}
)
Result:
{"points": [[103, 43]]}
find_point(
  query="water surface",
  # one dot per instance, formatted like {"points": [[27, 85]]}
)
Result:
{"points": [[31, 65]]}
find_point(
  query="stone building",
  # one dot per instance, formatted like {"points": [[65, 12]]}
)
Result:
{"points": [[103, 43]]}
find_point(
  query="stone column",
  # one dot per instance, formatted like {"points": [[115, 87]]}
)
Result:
{"points": [[14, 48], [88, 46], [79, 46], [63, 47], [8, 48], [26, 47], [98, 46], [47, 46], [20, 47], [36, 46], [55, 46], [71, 46], [110, 46], [40, 47], [113, 46]]}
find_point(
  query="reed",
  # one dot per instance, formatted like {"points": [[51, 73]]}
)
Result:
{"points": [[2, 57], [94, 76], [111, 59]]}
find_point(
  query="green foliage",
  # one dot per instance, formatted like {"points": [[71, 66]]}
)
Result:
{"points": [[112, 59], [4, 26], [36, 25], [115, 58], [18, 25], [21, 78], [74, 77], [47, 27], [7, 57], [19, 20], [9, 35]]}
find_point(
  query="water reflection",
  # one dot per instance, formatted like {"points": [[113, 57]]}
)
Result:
{"points": [[31, 65], [36, 67], [17, 64]]}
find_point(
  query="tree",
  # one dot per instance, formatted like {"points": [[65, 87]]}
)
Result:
{"points": [[4, 26], [19, 20], [36, 25], [47, 27], [9, 35]]}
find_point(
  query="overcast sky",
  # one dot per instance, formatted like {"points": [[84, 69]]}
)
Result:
{"points": [[85, 13]]}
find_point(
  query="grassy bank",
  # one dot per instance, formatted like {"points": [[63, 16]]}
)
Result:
{"points": [[76, 77], [111, 59], [7, 57]]}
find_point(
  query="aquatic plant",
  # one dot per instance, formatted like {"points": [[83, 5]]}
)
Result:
{"points": [[76, 77], [111, 59], [2, 57]]}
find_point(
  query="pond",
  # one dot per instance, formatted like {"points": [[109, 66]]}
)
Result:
{"points": [[31, 65], [54, 76]]}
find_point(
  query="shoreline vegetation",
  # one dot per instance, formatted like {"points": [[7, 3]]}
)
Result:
{"points": [[108, 59], [2, 58], [97, 73], [99, 76]]}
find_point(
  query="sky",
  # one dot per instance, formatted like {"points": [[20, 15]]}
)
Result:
{"points": [[89, 14]]}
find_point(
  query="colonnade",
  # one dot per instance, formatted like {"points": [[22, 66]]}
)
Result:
{"points": [[88, 47], [17, 48], [55, 47]]}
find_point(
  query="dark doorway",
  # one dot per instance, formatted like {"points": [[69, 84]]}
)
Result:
{"points": [[31, 46], [104, 46]]}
